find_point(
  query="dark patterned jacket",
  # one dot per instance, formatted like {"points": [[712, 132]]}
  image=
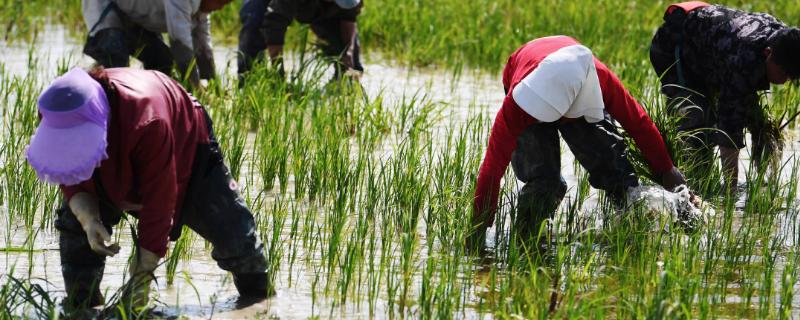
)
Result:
{"points": [[725, 47]]}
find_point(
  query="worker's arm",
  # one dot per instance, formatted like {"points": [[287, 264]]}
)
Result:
{"points": [[275, 52], [742, 74], [280, 14], [729, 157], [179, 27], [86, 208], [154, 167], [201, 39], [509, 124], [348, 29], [731, 120], [70, 191], [621, 105]]}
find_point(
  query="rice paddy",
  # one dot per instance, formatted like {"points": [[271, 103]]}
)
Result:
{"points": [[363, 193]]}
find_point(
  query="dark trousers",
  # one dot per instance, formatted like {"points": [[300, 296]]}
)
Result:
{"points": [[687, 93], [252, 43], [537, 162], [113, 48], [212, 208]]}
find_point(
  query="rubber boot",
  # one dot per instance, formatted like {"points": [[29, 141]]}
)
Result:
{"points": [[252, 287], [82, 284]]}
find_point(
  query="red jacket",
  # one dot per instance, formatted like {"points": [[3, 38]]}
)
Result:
{"points": [[153, 133], [511, 121]]}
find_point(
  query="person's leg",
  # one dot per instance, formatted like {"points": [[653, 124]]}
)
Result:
{"points": [[537, 163], [216, 212], [251, 41], [81, 267], [109, 47], [150, 49], [602, 151]]}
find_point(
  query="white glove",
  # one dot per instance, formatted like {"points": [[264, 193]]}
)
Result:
{"points": [[85, 208], [141, 271]]}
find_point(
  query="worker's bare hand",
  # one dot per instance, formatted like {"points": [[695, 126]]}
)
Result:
{"points": [[695, 200], [347, 60], [85, 208], [97, 235], [673, 178]]}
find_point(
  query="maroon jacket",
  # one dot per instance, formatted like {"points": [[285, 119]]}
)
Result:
{"points": [[511, 121], [153, 133]]}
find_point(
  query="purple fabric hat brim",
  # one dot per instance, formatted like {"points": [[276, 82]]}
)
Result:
{"points": [[70, 142], [67, 156]]}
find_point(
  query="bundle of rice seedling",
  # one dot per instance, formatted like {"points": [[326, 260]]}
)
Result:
{"points": [[767, 137]]}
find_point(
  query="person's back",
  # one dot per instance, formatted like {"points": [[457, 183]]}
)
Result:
{"points": [[712, 62], [144, 96], [153, 132], [555, 87], [308, 11], [129, 140], [119, 29], [727, 46]]}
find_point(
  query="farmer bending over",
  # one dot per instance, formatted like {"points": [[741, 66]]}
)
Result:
{"points": [[134, 140], [713, 61], [122, 28], [264, 24], [555, 85]]}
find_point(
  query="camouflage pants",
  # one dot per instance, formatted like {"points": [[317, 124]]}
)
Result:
{"points": [[598, 147], [213, 209], [252, 43]]}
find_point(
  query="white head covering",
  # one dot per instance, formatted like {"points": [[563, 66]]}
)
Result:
{"points": [[565, 84]]}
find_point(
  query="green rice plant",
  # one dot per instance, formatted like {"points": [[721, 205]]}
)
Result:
{"points": [[702, 171], [275, 247], [25, 20], [375, 191], [767, 137], [26, 297], [180, 251]]}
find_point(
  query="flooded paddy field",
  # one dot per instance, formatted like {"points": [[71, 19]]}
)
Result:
{"points": [[362, 196]]}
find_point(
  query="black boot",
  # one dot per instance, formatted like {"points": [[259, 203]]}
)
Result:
{"points": [[252, 287], [82, 284]]}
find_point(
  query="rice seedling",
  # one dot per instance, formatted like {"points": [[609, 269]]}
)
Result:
{"points": [[362, 199], [25, 297]]}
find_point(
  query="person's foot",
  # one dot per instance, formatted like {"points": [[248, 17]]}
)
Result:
{"points": [[247, 301], [70, 312], [121, 312], [252, 287], [82, 302]]}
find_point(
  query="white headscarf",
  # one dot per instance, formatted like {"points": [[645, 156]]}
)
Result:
{"points": [[565, 84]]}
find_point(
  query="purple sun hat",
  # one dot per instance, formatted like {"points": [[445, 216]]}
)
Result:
{"points": [[70, 141]]}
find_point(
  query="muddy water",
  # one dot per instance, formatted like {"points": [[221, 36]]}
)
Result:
{"points": [[202, 290]]}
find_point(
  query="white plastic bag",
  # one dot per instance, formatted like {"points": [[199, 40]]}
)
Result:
{"points": [[670, 208]]}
